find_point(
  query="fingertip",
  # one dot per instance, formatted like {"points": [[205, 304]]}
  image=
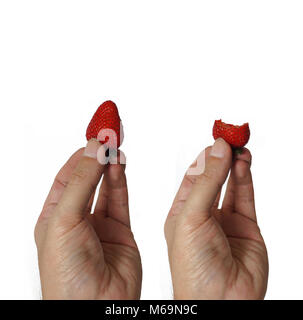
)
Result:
{"points": [[115, 172], [241, 169], [118, 158], [92, 148], [221, 149], [116, 168], [245, 155]]}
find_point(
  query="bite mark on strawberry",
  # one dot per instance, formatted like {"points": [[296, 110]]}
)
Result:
{"points": [[236, 136]]}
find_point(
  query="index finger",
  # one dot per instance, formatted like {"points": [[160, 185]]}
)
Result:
{"points": [[239, 196]]}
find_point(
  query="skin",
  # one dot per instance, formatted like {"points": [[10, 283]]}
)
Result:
{"points": [[83, 255], [213, 253], [217, 253]]}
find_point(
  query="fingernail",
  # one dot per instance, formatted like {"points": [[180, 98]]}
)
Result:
{"points": [[91, 148], [218, 149]]}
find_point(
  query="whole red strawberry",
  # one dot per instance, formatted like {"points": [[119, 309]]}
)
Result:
{"points": [[236, 136], [106, 125]]}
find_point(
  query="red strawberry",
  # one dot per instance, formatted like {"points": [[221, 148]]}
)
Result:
{"points": [[236, 136], [106, 117]]}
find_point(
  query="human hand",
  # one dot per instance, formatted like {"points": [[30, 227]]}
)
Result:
{"points": [[217, 253], [83, 255]]}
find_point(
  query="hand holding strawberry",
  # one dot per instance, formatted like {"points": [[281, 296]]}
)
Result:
{"points": [[83, 255], [217, 252]]}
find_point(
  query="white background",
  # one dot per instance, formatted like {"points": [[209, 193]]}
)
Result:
{"points": [[172, 67]]}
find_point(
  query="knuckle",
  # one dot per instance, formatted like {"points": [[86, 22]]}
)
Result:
{"points": [[190, 179], [78, 176], [194, 221], [209, 176], [206, 176]]}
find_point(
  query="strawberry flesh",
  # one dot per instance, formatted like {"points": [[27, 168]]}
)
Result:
{"points": [[236, 136]]}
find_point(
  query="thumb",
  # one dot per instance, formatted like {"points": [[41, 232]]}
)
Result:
{"points": [[208, 184], [82, 184]]}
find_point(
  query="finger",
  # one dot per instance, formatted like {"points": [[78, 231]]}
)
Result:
{"points": [[195, 169], [239, 196], [208, 185], [116, 193], [82, 184], [102, 200], [61, 181], [188, 181], [228, 202], [118, 196], [56, 192]]}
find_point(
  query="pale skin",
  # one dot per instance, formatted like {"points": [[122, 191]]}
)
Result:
{"points": [[217, 253], [83, 255], [213, 254]]}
